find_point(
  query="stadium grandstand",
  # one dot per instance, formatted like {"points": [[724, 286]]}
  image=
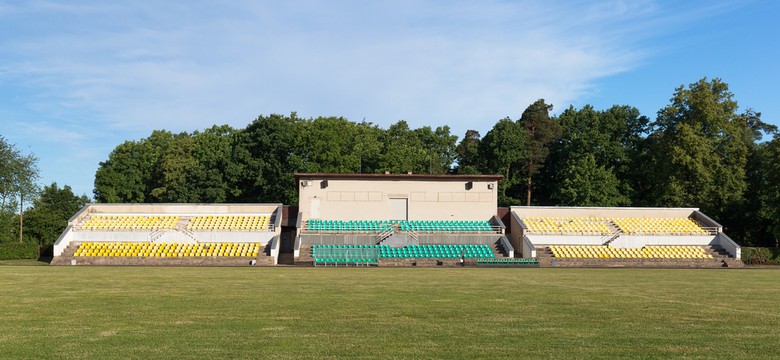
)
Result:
{"points": [[401, 220], [171, 234], [393, 220], [647, 237]]}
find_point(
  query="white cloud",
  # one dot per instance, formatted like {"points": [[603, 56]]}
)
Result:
{"points": [[140, 66]]}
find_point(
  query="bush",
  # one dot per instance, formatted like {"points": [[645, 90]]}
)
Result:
{"points": [[12, 250], [761, 256]]}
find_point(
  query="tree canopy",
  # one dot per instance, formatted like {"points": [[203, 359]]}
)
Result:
{"points": [[18, 183], [701, 150]]}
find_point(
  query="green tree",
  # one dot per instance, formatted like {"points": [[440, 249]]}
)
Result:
{"points": [[503, 149], [403, 150], [467, 154], [541, 131], [613, 138], [330, 145], [268, 153], [439, 147], [585, 183], [768, 195], [133, 170], [50, 213], [18, 183], [700, 150]]}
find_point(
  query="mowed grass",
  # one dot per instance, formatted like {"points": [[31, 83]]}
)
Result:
{"points": [[292, 313]]}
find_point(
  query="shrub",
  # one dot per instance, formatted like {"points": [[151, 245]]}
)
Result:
{"points": [[13, 250], [761, 255]]}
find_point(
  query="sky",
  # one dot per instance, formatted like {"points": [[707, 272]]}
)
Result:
{"points": [[78, 78]]}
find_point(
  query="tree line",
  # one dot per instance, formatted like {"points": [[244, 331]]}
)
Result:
{"points": [[699, 151], [30, 214]]}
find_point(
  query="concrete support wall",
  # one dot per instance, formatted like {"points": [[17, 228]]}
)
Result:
{"points": [[544, 211], [445, 198], [729, 245], [632, 241]]}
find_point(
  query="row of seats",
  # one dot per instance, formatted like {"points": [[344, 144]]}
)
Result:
{"points": [[674, 226], [130, 222], [229, 222], [554, 225], [168, 222], [469, 251], [449, 226], [372, 226], [508, 261], [420, 226], [647, 252], [603, 226], [166, 250]]}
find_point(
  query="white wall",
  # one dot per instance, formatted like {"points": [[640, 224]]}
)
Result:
{"points": [[634, 241], [545, 240], [528, 211], [369, 199]]}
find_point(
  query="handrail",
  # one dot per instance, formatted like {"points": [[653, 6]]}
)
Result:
{"points": [[605, 240], [413, 234], [384, 235]]}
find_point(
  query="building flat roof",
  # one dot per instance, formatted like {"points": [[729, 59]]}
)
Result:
{"points": [[299, 176]]}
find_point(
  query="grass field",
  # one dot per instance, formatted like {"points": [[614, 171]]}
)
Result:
{"points": [[145, 312]]}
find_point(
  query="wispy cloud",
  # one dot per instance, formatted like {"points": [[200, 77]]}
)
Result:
{"points": [[137, 66]]}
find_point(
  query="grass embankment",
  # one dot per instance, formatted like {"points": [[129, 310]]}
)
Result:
{"points": [[144, 312]]}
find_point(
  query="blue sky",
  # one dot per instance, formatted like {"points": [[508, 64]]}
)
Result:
{"points": [[78, 78]]}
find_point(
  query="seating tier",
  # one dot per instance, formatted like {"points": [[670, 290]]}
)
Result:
{"points": [[670, 226], [147, 249], [508, 261], [339, 226], [601, 226], [229, 223], [647, 252], [420, 226], [576, 225], [371, 253], [129, 222], [446, 226]]}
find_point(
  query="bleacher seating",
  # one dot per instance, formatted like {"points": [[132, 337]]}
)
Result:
{"points": [[377, 226], [659, 226], [508, 261], [372, 253], [469, 251], [166, 250], [446, 226], [340, 226], [601, 226], [567, 225], [647, 252], [129, 222], [343, 254], [229, 223]]}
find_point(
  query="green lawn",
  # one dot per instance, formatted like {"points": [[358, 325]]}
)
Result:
{"points": [[208, 313]]}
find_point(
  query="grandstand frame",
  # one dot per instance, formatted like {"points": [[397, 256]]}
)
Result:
{"points": [[178, 233], [529, 243]]}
